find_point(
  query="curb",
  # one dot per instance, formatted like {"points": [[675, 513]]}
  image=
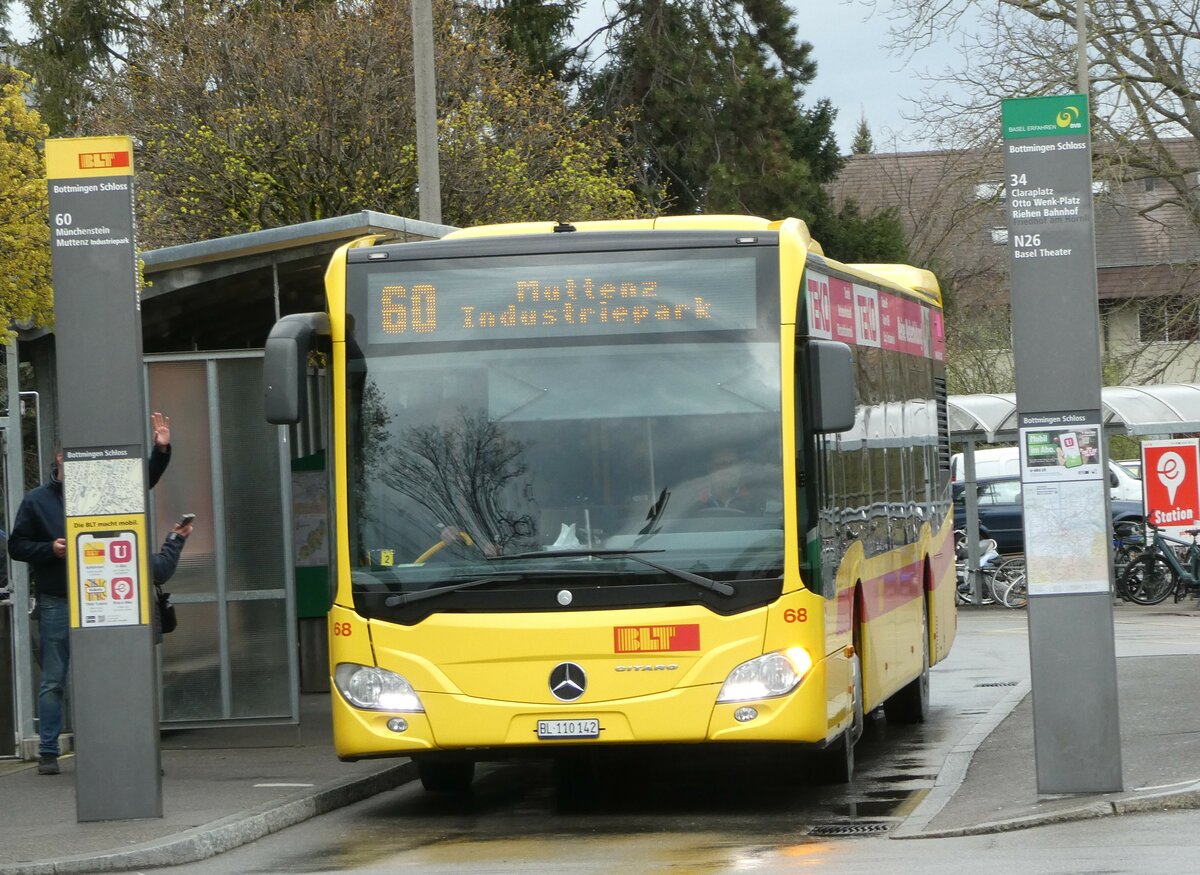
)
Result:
{"points": [[231, 832], [1175, 800], [954, 772], [954, 768]]}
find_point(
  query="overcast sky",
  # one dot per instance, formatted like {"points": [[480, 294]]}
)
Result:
{"points": [[857, 73]]}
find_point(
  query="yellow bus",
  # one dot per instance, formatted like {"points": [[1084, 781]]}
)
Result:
{"points": [[670, 481]]}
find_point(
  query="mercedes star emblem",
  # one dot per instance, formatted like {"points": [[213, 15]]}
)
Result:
{"points": [[567, 681]]}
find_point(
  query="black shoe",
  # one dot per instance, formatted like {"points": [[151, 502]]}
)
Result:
{"points": [[47, 765]]}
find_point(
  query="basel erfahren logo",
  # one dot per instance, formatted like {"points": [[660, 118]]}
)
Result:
{"points": [[567, 681], [1068, 116]]}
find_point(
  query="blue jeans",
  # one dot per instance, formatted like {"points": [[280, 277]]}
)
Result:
{"points": [[54, 630]]}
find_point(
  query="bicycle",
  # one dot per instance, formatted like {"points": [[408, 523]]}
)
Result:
{"points": [[1160, 570], [1003, 577], [1009, 579], [1129, 540]]}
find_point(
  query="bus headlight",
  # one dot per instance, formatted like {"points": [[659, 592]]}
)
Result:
{"points": [[774, 674], [375, 689]]}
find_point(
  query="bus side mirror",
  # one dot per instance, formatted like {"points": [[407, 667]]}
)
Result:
{"points": [[831, 394], [285, 363]]}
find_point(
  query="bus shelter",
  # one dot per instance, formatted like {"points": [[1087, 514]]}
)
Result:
{"points": [[250, 588], [1138, 411]]}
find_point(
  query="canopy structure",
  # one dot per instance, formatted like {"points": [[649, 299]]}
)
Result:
{"points": [[1163, 409]]}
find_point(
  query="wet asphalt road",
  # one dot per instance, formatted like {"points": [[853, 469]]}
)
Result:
{"points": [[681, 809]]}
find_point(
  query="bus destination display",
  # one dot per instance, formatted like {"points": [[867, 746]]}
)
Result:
{"points": [[557, 300]]}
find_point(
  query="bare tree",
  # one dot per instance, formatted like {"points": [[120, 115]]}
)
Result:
{"points": [[1143, 64], [460, 471], [949, 205], [1144, 71]]}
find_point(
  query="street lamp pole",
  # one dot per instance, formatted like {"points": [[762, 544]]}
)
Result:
{"points": [[429, 199]]}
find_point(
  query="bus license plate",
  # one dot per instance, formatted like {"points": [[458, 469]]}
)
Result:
{"points": [[587, 727]]}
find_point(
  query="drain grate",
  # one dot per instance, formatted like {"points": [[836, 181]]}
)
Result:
{"points": [[999, 684], [835, 830]]}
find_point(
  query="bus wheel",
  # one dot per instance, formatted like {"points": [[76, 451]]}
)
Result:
{"points": [[446, 776], [911, 703]]}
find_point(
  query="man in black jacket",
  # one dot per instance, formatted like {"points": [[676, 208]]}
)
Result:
{"points": [[38, 537]]}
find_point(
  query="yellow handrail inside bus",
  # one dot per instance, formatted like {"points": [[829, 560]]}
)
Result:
{"points": [[420, 560]]}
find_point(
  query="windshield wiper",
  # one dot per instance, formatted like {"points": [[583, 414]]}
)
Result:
{"points": [[407, 598], [705, 582], [655, 513]]}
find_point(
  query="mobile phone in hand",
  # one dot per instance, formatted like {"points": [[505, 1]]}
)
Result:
{"points": [[186, 519]]}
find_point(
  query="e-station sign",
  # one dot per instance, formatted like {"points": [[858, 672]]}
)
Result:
{"points": [[1171, 483]]}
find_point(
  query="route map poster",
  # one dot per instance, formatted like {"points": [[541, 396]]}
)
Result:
{"points": [[1063, 503], [1066, 528]]}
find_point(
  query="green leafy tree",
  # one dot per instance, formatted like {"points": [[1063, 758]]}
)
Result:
{"points": [[717, 86], [5, 36], [720, 126], [26, 294], [259, 116]]}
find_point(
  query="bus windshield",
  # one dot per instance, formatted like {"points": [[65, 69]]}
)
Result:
{"points": [[669, 447], [456, 459]]}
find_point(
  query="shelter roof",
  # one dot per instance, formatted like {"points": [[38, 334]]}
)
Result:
{"points": [[227, 293], [1166, 408]]}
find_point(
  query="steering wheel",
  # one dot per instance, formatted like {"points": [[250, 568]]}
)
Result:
{"points": [[428, 554]]}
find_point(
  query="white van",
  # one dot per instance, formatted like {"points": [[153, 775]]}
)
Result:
{"points": [[1006, 462]]}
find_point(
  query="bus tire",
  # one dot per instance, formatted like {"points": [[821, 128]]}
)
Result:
{"points": [[911, 703], [446, 776]]}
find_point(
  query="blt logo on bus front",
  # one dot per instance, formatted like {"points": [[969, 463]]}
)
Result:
{"points": [[1171, 483]]}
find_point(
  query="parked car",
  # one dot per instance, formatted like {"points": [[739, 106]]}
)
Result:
{"points": [[1000, 513], [1133, 466], [1006, 461]]}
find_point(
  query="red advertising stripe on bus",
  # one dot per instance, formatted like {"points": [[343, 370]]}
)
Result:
{"points": [[841, 300], [939, 335], [882, 595], [655, 639]]}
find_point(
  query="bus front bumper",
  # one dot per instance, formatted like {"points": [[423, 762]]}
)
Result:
{"points": [[681, 716]]}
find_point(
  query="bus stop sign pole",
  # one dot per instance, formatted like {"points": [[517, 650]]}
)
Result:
{"points": [[102, 411], [1064, 477]]}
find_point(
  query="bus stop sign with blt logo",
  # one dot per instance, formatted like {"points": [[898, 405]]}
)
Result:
{"points": [[1171, 484]]}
